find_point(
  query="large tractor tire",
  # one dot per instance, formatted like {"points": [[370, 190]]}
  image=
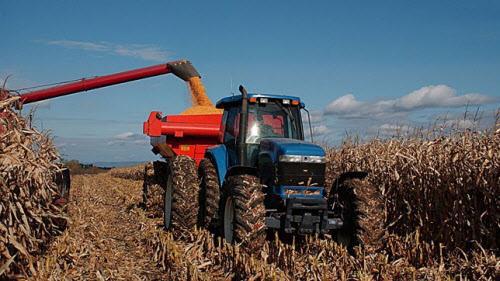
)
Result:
{"points": [[180, 204], [362, 209], [208, 196], [242, 212]]}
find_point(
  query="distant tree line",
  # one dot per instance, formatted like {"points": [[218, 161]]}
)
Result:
{"points": [[78, 168]]}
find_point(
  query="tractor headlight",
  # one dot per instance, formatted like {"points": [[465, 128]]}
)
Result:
{"points": [[302, 159], [290, 158]]}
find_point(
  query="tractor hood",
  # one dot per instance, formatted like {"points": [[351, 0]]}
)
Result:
{"points": [[275, 147]]}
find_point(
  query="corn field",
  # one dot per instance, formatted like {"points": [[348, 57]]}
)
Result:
{"points": [[447, 188], [441, 218], [130, 173], [29, 214], [441, 204]]}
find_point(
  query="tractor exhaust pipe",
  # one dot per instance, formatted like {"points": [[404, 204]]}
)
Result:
{"points": [[242, 146]]}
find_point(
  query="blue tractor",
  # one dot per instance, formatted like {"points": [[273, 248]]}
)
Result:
{"points": [[265, 177]]}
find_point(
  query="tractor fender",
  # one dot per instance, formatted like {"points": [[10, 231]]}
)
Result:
{"points": [[347, 176], [241, 170], [266, 168], [218, 155]]}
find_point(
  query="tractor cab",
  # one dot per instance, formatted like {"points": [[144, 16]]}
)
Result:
{"points": [[267, 117]]}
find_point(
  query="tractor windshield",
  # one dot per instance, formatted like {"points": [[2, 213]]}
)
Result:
{"points": [[273, 120]]}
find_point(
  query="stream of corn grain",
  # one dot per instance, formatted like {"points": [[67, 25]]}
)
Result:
{"points": [[200, 103]]}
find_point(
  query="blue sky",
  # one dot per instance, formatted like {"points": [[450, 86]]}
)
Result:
{"points": [[367, 67]]}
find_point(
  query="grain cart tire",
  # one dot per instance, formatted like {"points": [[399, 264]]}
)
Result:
{"points": [[362, 211], [208, 196], [180, 204], [242, 212]]}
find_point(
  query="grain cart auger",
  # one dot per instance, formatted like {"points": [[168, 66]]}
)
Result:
{"points": [[263, 176], [191, 135]]}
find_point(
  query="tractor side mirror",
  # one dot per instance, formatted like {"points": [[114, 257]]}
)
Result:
{"points": [[309, 121]]}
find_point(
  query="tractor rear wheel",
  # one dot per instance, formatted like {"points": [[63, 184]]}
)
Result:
{"points": [[362, 211], [208, 195], [180, 204], [243, 212]]}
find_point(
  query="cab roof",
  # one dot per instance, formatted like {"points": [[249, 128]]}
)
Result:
{"points": [[224, 102]]}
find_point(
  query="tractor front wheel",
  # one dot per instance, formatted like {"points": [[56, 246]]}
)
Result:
{"points": [[243, 212], [180, 203], [362, 210]]}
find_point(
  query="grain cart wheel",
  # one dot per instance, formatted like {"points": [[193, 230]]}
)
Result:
{"points": [[362, 211], [180, 204], [208, 196], [243, 212]]}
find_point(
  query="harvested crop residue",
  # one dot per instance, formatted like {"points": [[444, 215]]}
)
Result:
{"points": [[106, 236], [110, 237], [129, 173]]}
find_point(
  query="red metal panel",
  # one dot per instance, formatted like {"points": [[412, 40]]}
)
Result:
{"points": [[182, 125], [152, 127], [186, 129], [199, 118], [188, 135]]}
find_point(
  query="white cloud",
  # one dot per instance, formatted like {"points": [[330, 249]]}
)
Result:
{"points": [[125, 136], [438, 96], [87, 46], [128, 138], [344, 104], [394, 129], [320, 130], [348, 106], [142, 51]]}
